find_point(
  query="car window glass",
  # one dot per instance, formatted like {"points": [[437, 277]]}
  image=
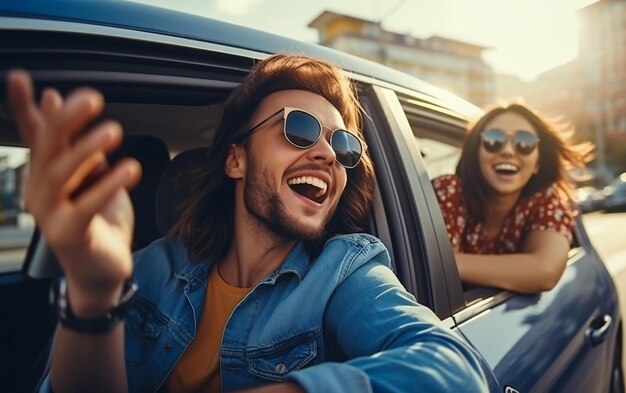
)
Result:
{"points": [[439, 140], [16, 225], [438, 137], [439, 157]]}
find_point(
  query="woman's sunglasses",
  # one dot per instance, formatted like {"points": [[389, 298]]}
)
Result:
{"points": [[303, 130], [524, 141]]}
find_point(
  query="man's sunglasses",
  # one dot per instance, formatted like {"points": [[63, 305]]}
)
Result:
{"points": [[303, 130], [524, 141]]}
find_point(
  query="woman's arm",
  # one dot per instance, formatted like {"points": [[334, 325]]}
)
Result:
{"points": [[538, 268]]}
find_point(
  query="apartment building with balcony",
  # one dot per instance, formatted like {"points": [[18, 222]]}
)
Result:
{"points": [[454, 65], [602, 56]]}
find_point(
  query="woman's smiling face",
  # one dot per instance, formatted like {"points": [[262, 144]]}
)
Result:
{"points": [[506, 171]]}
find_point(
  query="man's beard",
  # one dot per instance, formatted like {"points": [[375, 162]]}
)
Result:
{"points": [[268, 208]]}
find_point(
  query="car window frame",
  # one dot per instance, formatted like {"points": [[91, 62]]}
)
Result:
{"points": [[407, 193], [414, 241], [477, 299]]}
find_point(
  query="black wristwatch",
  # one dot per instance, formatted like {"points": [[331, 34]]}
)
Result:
{"points": [[98, 325]]}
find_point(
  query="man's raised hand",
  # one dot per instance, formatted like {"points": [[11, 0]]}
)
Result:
{"points": [[79, 203]]}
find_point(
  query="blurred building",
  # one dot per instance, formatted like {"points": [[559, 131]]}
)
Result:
{"points": [[12, 187], [558, 92], [453, 65], [589, 91], [555, 92], [509, 87], [8, 191], [602, 56], [21, 176]]}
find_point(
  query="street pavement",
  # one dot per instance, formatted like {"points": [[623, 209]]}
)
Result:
{"points": [[606, 231]]}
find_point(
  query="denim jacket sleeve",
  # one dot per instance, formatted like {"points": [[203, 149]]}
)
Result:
{"points": [[393, 343], [45, 386]]}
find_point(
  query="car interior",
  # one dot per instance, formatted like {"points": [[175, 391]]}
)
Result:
{"points": [[167, 128], [154, 133], [166, 135]]}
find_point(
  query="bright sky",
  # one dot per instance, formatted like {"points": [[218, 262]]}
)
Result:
{"points": [[526, 37]]}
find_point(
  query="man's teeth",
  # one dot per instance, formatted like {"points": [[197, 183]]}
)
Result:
{"points": [[506, 167], [313, 181]]}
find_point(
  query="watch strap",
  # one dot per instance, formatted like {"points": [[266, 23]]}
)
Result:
{"points": [[97, 325]]}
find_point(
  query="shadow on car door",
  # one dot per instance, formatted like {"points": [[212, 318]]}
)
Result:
{"points": [[561, 340]]}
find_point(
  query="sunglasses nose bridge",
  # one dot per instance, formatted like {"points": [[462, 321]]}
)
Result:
{"points": [[508, 145], [322, 148]]}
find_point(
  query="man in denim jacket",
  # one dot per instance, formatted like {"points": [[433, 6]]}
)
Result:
{"points": [[263, 283]]}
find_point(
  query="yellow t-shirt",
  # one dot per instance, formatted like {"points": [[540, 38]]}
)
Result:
{"points": [[198, 369]]}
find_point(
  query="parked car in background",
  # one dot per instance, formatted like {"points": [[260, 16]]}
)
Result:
{"points": [[165, 74], [589, 199], [615, 195]]}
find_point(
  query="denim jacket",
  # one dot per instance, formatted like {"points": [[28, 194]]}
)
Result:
{"points": [[339, 323]]}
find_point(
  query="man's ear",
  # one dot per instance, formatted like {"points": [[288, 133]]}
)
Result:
{"points": [[235, 162]]}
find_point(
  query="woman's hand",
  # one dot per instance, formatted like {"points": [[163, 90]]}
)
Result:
{"points": [[80, 204]]}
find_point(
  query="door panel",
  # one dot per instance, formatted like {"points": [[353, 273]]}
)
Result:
{"points": [[26, 328], [538, 343]]}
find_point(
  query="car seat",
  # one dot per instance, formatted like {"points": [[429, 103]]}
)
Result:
{"points": [[154, 158], [172, 190]]}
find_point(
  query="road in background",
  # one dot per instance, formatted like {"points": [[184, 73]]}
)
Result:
{"points": [[607, 233], [13, 244]]}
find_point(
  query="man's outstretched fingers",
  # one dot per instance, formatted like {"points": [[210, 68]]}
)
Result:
{"points": [[85, 156], [134, 171], [23, 108], [124, 175], [80, 107], [51, 102]]}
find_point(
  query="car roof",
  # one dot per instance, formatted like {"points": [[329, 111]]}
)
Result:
{"points": [[140, 17]]}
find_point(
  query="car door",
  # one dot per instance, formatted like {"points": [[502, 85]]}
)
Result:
{"points": [[559, 341], [402, 211], [27, 321]]}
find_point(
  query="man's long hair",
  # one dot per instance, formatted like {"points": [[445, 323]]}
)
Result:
{"points": [[556, 156], [206, 220]]}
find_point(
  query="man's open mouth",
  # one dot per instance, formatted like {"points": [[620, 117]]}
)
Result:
{"points": [[311, 187], [506, 169]]}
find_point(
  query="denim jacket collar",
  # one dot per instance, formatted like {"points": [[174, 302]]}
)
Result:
{"points": [[195, 273], [297, 262]]}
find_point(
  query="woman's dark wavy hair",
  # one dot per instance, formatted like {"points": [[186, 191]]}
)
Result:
{"points": [[556, 156], [206, 218]]}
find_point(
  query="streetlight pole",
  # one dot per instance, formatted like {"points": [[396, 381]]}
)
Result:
{"points": [[382, 41]]}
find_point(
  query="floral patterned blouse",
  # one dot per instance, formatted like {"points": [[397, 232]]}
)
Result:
{"points": [[542, 211]]}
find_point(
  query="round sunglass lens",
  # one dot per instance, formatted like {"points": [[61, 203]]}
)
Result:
{"points": [[493, 139], [347, 148], [525, 142], [302, 129]]}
